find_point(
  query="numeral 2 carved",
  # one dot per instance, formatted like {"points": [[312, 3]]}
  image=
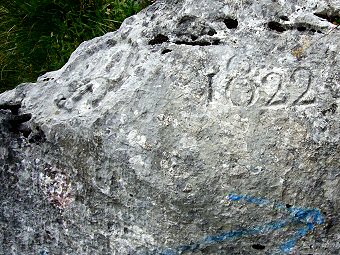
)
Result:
{"points": [[301, 80], [272, 87]]}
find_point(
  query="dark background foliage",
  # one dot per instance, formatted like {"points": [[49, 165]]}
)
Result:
{"points": [[37, 36]]}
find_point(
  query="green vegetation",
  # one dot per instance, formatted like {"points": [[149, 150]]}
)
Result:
{"points": [[37, 36]]}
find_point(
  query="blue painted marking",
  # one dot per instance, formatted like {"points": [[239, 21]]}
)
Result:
{"points": [[297, 215], [234, 197], [249, 199], [307, 216]]}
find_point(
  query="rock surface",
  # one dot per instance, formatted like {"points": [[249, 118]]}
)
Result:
{"points": [[199, 127]]}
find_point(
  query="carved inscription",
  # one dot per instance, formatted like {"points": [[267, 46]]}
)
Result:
{"points": [[301, 79], [273, 89], [241, 92], [86, 94]]}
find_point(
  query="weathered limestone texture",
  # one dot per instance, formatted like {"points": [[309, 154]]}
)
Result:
{"points": [[199, 127]]}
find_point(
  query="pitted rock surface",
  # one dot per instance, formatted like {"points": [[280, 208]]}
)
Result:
{"points": [[199, 127]]}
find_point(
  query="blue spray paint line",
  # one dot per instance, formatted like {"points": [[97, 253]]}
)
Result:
{"points": [[304, 215], [230, 235], [288, 246], [269, 227], [309, 217], [249, 199], [226, 236]]}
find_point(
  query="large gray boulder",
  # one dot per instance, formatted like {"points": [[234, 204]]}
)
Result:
{"points": [[199, 127]]}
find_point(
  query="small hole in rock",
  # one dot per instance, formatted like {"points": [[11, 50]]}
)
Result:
{"points": [[166, 51], [330, 16], [14, 108], [285, 18], [125, 230], [216, 42], [301, 29], [131, 195], [273, 25], [194, 37], [186, 19], [199, 43], [288, 206], [258, 246], [158, 39], [231, 23], [111, 42], [321, 15], [109, 225], [26, 132], [37, 137], [212, 32], [17, 120]]}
